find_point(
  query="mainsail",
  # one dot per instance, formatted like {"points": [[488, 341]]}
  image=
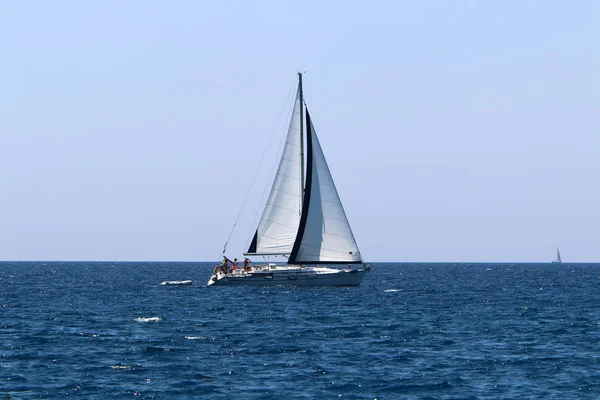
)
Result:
{"points": [[278, 226], [309, 227]]}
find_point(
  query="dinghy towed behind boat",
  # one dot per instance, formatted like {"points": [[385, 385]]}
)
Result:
{"points": [[303, 220], [176, 283]]}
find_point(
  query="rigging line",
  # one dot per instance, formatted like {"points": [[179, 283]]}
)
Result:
{"points": [[274, 169], [257, 169]]}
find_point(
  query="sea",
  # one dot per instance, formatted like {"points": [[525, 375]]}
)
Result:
{"points": [[110, 330]]}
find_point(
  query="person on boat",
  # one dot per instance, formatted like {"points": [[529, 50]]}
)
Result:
{"points": [[247, 265], [234, 265], [217, 269], [225, 265]]}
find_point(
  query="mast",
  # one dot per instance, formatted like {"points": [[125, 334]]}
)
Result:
{"points": [[301, 142], [307, 193]]}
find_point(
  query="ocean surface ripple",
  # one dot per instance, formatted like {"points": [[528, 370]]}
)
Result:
{"points": [[97, 330]]}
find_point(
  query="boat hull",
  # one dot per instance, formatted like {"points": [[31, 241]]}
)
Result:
{"points": [[177, 283], [290, 278]]}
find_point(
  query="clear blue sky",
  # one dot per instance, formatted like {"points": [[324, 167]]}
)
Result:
{"points": [[455, 130]]}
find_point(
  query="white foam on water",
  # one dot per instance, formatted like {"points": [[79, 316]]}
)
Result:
{"points": [[199, 338], [119, 366], [149, 319], [392, 290]]}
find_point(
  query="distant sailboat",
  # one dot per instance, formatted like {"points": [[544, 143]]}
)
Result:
{"points": [[303, 221], [558, 260]]}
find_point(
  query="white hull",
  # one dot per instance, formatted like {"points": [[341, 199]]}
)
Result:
{"points": [[290, 276], [176, 283]]}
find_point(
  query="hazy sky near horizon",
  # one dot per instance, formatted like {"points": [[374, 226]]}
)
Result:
{"points": [[455, 130]]}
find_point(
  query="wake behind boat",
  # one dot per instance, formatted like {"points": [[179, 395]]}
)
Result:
{"points": [[303, 220]]}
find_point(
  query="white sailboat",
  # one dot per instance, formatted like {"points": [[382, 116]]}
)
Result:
{"points": [[558, 260], [303, 220]]}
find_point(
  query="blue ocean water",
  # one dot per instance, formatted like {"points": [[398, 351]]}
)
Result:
{"points": [[99, 330]]}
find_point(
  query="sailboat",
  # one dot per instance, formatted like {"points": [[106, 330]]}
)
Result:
{"points": [[558, 260], [303, 220]]}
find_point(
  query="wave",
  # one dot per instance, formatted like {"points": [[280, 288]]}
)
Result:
{"points": [[200, 338], [149, 319], [120, 366]]}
